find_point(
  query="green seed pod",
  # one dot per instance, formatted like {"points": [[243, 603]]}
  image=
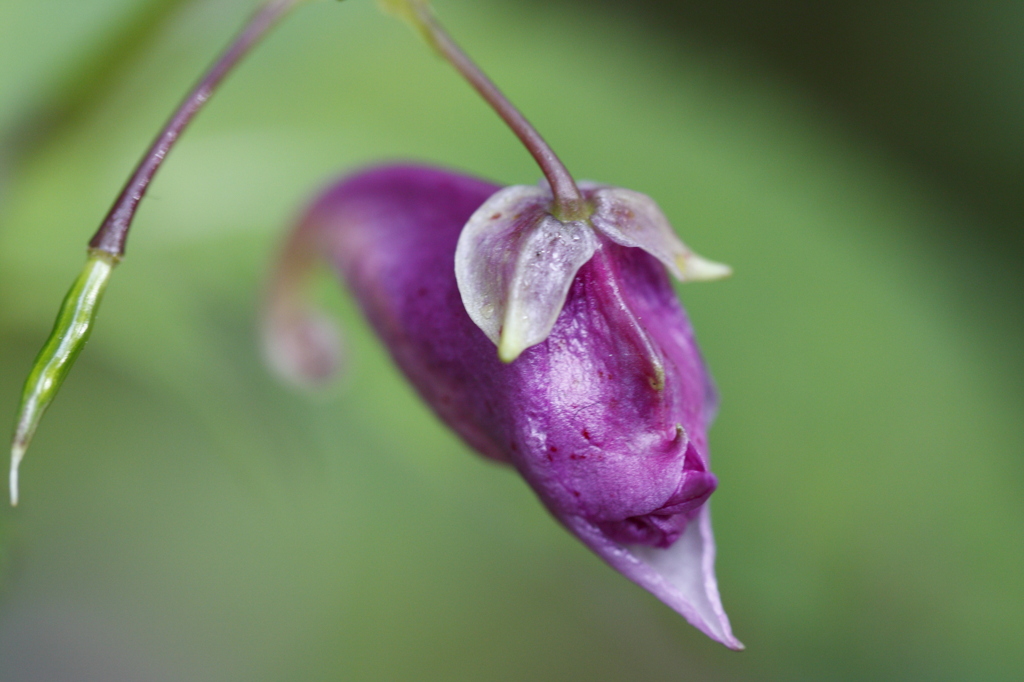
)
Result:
{"points": [[70, 333]]}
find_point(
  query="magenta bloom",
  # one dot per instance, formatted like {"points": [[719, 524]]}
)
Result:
{"points": [[606, 417]]}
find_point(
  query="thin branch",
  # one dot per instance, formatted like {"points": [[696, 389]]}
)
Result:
{"points": [[113, 233]]}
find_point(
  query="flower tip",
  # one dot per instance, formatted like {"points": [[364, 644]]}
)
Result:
{"points": [[508, 355], [696, 268], [681, 575]]}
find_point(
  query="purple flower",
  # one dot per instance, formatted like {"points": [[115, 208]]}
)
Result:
{"points": [[597, 394], [606, 407]]}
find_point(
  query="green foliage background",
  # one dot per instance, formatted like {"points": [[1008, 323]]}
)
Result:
{"points": [[184, 516]]}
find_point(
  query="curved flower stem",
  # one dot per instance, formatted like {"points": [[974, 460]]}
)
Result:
{"points": [[569, 203], [81, 304], [113, 233]]}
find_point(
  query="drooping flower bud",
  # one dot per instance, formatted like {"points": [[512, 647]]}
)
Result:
{"points": [[606, 413], [598, 394]]}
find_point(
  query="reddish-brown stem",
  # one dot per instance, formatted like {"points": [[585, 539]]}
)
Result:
{"points": [[113, 233], [569, 203]]}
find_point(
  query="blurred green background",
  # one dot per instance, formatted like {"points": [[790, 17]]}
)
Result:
{"points": [[186, 517]]}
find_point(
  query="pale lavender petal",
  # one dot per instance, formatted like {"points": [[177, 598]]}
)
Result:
{"points": [[514, 264], [634, 219], [682, 576]]}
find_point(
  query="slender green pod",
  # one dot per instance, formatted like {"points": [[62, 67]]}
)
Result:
{"points": [[78, 312], [70, 333]]}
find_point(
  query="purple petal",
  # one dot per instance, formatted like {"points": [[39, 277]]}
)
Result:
{"points": [[514, 263], [391, 232]]}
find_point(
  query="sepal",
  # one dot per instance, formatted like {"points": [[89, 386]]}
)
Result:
{"points": [[514, 264], [633, 219]]}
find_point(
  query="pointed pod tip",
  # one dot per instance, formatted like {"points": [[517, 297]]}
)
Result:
{"points": [[70, 333], [17, 454], [696, 268]]}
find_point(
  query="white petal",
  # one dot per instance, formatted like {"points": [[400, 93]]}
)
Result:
{"points": [[514, 264], [633, 219]]}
